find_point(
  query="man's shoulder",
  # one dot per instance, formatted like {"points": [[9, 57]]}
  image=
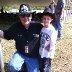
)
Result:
{"points": [[37, 24], [16, 23], [14, 26]]}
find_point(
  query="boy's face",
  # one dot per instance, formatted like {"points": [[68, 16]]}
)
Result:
{"points": [[46, 19]]}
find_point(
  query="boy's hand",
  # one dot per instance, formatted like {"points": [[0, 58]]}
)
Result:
{"points": [[47, 47]]}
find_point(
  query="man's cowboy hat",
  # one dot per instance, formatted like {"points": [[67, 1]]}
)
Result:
{"points": [[25, 9]]}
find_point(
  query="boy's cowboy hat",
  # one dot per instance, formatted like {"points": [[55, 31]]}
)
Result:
{"points": [[25, 9], [47, 11]]}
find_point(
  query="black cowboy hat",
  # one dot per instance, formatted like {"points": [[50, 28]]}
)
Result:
{"points": [[47, 11], [25, 9]]}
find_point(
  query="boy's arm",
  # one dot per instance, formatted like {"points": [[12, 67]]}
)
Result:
{"points": [[51, 47]]}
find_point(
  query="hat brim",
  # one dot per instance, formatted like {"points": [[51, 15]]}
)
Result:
{"points": [[23, 13], [45, 13]]}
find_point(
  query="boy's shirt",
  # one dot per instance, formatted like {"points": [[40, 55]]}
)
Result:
{"points": [[48, 38]]}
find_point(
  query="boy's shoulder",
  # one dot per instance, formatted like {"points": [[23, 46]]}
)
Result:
{"points": [[51, 27]]}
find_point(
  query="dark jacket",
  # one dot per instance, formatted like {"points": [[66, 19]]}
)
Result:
{"points": [[25, 37]]}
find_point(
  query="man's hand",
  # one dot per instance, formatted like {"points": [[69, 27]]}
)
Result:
{"points": [[1, 34]]}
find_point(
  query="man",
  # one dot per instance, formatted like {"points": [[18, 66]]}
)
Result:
{"points": [[58, 17], [52, 7], [26, 35]]}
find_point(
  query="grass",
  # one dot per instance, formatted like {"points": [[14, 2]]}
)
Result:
{"points": [[63, 57]]}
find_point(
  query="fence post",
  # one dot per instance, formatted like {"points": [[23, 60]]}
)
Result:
{"points": [[1, 59]]}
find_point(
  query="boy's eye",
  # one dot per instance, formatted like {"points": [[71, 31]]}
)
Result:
{"points": [[46, 18]]}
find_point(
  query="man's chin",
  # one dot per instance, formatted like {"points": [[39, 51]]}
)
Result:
{"points": [[26, 23]]}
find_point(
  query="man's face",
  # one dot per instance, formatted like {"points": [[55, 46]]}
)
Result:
{"points": [[25, 19]]}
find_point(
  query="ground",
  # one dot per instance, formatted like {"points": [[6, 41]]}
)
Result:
{"points": [[63, 56]]}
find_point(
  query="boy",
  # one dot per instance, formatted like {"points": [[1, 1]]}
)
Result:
{"points": [[47, 42]]}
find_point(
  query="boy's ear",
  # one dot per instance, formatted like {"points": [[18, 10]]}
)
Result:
{"points": [[52, 19]]}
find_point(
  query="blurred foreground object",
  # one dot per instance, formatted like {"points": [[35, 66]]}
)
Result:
{"points": [[1, 59]]}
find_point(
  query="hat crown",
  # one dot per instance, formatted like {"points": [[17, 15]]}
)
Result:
{"points": [[47, 10], [24, 8]]}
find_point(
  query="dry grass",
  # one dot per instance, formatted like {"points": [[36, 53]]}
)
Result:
{"points": [[63, 57]]}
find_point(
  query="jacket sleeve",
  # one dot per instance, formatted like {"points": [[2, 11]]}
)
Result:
{"points": [[9, 33], [53, 44]]}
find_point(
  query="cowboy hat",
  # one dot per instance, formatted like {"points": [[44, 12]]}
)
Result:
{"points": [[47, 11], [25, 9]]}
